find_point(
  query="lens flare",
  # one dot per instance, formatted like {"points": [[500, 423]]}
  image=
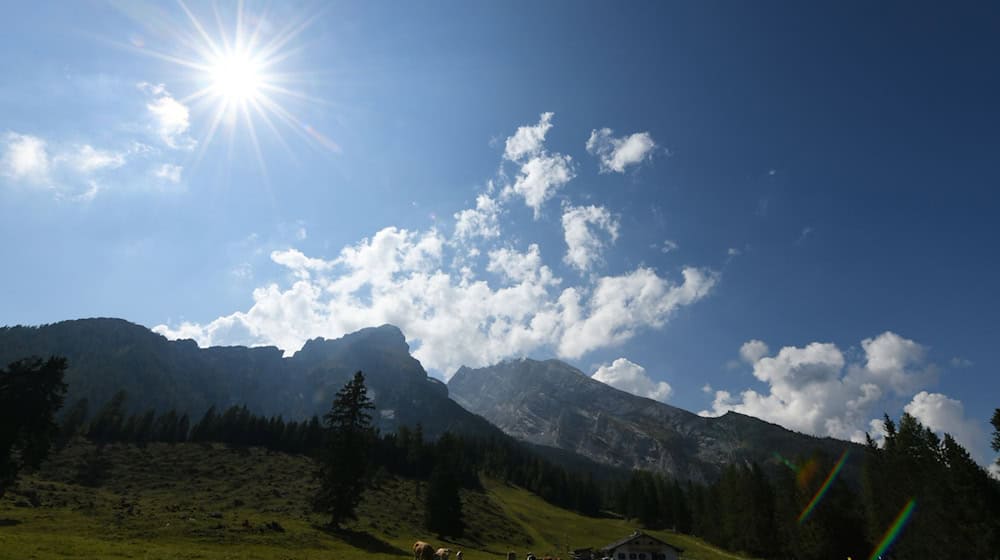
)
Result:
{"points": [[823, 489], [895, 529]]}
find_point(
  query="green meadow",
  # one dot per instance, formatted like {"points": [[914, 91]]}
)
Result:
{"points": [[214, 502]]}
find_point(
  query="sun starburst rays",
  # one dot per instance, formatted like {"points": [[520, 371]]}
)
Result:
{"points": [[238, 79]]}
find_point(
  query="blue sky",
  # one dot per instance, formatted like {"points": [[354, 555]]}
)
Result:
{"points": [[819, 179]]}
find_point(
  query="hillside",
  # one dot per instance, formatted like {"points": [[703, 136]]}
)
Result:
{"points": [[210, 501], [108, 355], [553, 404]]}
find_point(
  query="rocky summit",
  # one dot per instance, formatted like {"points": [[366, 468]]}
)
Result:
{"points": [[554, 404]]}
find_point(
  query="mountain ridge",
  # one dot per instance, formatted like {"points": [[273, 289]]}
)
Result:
{"points": [[107, 354], [552, 403]]}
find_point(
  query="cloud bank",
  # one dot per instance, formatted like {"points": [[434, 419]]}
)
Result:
{"points": [[817, 389], [457, 310]]}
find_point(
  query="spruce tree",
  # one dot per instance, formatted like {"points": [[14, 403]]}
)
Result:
{"points": [[31, 391], [343, 461], [995, 444], [443, 507]]}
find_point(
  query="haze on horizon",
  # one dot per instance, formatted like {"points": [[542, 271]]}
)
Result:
{"points": [[783, 210]]}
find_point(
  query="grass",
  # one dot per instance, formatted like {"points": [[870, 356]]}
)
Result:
{"points": [[214, 502]]}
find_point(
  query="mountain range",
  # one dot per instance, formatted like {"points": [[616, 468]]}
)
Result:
{"points": [[557, 409]]}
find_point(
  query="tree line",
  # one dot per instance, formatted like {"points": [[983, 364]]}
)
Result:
{"points": [[801, 511]]}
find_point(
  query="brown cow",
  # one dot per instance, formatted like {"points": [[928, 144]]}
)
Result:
{"points": [[442, 554], [422, 551]]}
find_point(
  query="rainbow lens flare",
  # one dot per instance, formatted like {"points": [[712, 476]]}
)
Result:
{"points": [[895, 529], [823, 489]]}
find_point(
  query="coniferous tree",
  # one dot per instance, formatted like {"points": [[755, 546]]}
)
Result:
{"points": [[443, 506], [31, 391], [344, 458], [109, 424], [995, 444], [73, 421]]}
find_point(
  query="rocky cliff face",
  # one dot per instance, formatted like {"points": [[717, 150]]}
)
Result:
{"points": [[552, 403]]}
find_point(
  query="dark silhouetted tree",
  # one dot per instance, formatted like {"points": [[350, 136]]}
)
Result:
{"points": [[109, 424], [995, 444], [73, 421], [443, 506], [344, 458], [31, 391]]}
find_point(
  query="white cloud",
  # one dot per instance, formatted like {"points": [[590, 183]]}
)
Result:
{"points": [[25, 158], [632, 378], [581, 225], [452, 318], [87, 159], [733, 252], [521, 267], [946, 415], [68, 170], [622, 304], [481, 221], [814, 389], [669, 246], [425, 284], [169, 172], [171, 118], [528, 140], [897, 362], [540, 178], [615, 154], [707, 388], [753, 350], [541, 174]]}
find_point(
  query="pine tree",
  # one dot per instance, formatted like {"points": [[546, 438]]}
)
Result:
{"points": [[109, 424], [995, 444], [344, 458], [73, 421], [31, 391], [443, 507]]}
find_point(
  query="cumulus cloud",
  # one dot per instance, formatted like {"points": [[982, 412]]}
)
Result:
{"points": [[539, 179], [541, 173], [424, 283], [171, 118], [816, 390], [518, 267], [528, 140], [615, 154], [581, 228], [481, 221], [451, 317], [946, 415], [632, 378], [753, 350], [25, 158]]}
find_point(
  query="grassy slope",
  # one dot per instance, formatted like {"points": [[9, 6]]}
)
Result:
{"points": [[211, 502]]}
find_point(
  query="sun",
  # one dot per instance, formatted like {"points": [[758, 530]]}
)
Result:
{"points": [[236, 77], [241, 77]]}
